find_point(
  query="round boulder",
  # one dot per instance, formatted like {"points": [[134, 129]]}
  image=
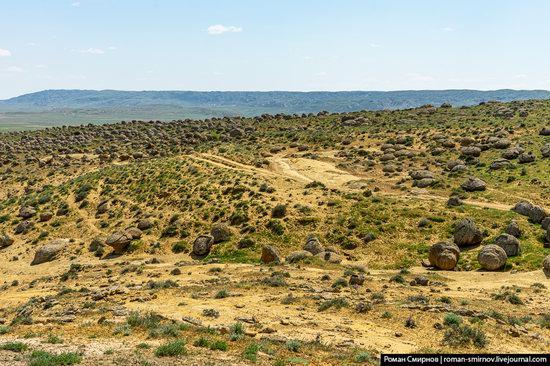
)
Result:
{"points": [[474, 184], [270, 254], [492, 257], [313, 245], [513, 229], [27, 212], [202, 245], [119, 241], [220, 232], [49, 251], [45, 216], [509, 243], [444, 255], [5, 240], [467, 233]]}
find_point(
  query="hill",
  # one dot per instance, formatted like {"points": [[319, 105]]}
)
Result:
{"points": [[327, 238]]}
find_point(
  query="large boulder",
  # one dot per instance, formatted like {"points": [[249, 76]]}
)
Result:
{"points": [[444, 255], [545, 131], [313, 245], [492, 257], [466, 233], [526, 157], [535, 213], [220, 232], [5, 240], [509, 243], [513, 229], [119, 241], [145, 224], [270, 254], [49, 251], [24, 227], [26, 212], [45, 216], [474, 184], [202, 245]]}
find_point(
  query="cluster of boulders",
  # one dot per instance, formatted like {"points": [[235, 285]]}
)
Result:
{"points": [[120, 141], [445, 255], [312, 248]]}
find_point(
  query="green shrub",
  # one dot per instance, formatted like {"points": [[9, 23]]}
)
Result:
{"points": [[14, 347], [459, 336], [42, 358], [171, 349], [293, 345], [337, 303], [452, 319]]}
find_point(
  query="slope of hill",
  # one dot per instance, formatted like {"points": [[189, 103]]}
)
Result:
{"points": [[329, 238]]}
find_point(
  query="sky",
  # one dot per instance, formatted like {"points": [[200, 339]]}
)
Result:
{"points": [[301, 45]]}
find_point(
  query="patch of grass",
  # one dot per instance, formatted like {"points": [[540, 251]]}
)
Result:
{"points": [[337, 303], [293, 345], [4, 329], [460, 336], [14, 347], [251, 352], [171, 349], [42, 358], [219, 346], [222, 294], [363, 357], [275, 281], [398, 278], [236, 331], [53, 339], [452, 319]]}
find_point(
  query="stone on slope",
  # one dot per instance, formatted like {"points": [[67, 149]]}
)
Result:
{"points": [[492, 257]]}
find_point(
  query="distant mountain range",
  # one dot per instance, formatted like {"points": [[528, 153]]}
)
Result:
{"points": [[260, 102], [70, 107]]}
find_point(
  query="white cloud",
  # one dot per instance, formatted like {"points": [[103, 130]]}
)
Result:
{"points": [[4, 53], [75, 4], [447, 29], [374, 45], [111, 48], [15, 69], [220, 29], [93, 51]]}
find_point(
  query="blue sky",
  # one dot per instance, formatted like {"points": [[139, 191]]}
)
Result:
{"points": [[273, 44]]}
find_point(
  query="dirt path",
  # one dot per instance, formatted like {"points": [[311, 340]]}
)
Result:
{"points": [[308, 170]]}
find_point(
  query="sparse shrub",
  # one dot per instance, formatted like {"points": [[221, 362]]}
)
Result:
{"points": [[14, 347], [171, 349], [222, 294], [452, 319], [42, 358], [459, 336], [218, 346], [293, 345], [278, 211], [337, 303], [179, 247], [251, 352], [236, 331]]}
